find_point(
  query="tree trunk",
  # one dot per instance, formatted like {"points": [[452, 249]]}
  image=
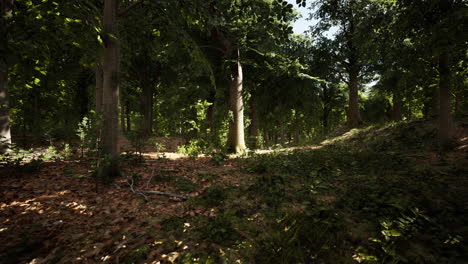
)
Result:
{"points": [[253, 129], [326, 99], [127, 114], [353, 116], [146, 100], [434, 112], [445, 111], [5, 133], [236, 141], [99, 88], [210, 112], [397, 102], [110, 101], [282, 134], [122, 118], [5, 130]]}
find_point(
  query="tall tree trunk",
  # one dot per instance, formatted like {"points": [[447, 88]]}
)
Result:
{"points": [[210, 112], [445, 111], [99, 88], [326, 99], [397, 102], [122, 118], [110, 102], [434, 112], [5, 130], [146, 100], [5, 133], [127, 115], [353, 115], [282, 133], [236, 141], [253, 129]]}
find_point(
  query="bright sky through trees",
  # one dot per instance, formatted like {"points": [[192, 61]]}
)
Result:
{"points": [[302, 24]]}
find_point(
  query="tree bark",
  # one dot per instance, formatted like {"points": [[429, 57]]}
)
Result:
{"points": [[5, 132], [5, 129], [326, 99], [146, 100], [236, 141], [253, 129], [110, 101], [99, 88], [397, 102], [445, 111], [353, 115], [434, 112], [127, 114]]}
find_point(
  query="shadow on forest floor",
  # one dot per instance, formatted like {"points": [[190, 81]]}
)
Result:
{"points": [[378, 194]]}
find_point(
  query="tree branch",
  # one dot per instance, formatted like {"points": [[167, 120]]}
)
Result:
{"points": [[130, 7], [142, 193]]}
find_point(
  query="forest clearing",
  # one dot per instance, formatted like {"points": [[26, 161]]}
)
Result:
{"points": [[233, 131]]}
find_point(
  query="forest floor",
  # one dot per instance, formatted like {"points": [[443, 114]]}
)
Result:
{"points": [[378, 194]]}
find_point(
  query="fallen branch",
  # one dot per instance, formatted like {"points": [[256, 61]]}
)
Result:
{"points": [[142, 192], [182, 197]]}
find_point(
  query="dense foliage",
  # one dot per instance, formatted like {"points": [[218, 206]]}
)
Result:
{"points": [[103, 82]]}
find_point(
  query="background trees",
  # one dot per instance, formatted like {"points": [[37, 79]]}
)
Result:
{"points": [[211, 71]]}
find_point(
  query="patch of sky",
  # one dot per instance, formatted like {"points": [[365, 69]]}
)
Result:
{"points": [[303, 23]]}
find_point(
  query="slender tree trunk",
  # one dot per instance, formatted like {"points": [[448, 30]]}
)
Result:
{"points": [[5, 130], [397, 102], [127, 116], [326, 108], [5, 133], [445, 111], [236, 141], [434, 113], [146, 100], [99, 88], [353, 115], [110, 106], [210, 112], [282, 133], [122, 118], [253, 129]]}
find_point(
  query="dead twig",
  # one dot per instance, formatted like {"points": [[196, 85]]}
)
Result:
{"points": [[149, 180], [142, 192], [182, 197]]}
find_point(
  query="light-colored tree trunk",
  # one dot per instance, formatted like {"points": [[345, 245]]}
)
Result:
{"points": [[110, 101], [236, 141], [445, 110]]}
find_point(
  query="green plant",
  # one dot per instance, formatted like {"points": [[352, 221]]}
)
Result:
{"points": [[158, 146], [194, 148], [88, 132]]}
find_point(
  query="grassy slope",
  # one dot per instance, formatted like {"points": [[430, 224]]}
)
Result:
{"points": [[380, 194]]}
